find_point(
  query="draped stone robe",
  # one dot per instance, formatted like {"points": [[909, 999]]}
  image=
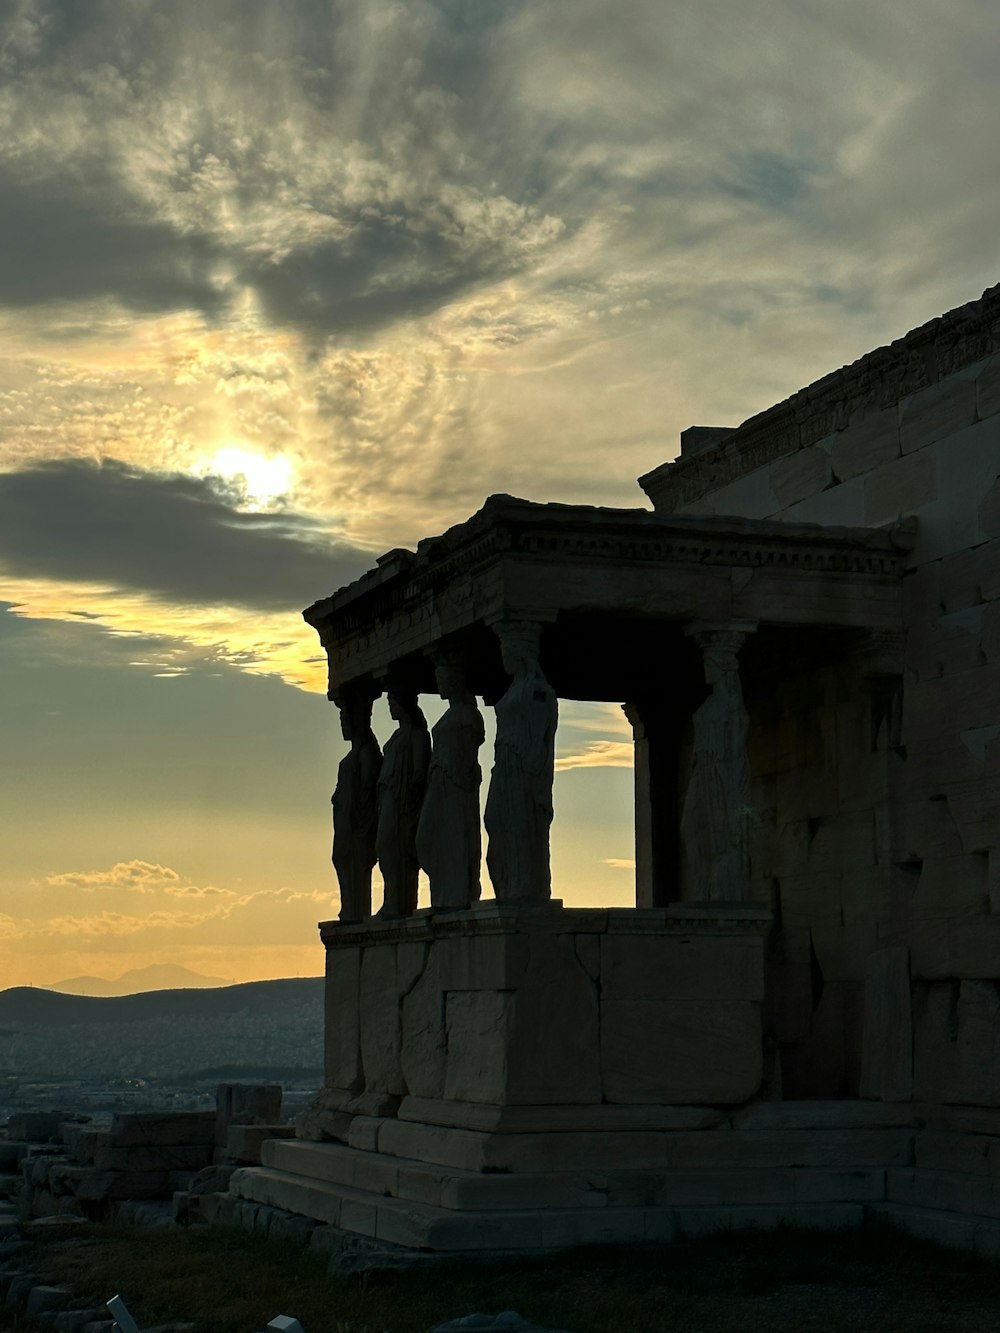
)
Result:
{"points": [[449, 842], [519, 805]]}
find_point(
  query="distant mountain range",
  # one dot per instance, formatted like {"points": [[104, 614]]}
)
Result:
{"points": [[165, 1034], [158, 976]]}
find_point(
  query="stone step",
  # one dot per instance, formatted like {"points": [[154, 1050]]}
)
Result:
{"points": [[945, 1191], [948, 1150], [396, 1221], [723, 1149], [425, 1226], [457, 1189], [962, 1231], [335, 1164], [605, 1118]]}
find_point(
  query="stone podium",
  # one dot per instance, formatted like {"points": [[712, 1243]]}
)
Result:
{"points": [[504, 1006]]}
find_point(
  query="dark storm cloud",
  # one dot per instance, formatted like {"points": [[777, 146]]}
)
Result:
{"points": [[60, 242], [396, 268], [171, 536]]}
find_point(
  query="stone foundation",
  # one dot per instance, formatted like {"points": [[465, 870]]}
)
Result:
{"points": [[929, 1170]]}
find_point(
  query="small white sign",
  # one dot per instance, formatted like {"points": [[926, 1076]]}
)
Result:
{"points": [[124, 1323]]}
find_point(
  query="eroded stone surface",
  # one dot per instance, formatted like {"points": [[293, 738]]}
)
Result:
{"points": [[887, 1054]]}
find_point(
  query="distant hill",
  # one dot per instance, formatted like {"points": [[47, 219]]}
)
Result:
{"points": [[158, 976], [162, 1034], [35, 1005]]}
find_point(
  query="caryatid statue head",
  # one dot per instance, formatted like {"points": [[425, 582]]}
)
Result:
{"points": [[355, 713], [519, 644], [404, 706], [450, 674]]}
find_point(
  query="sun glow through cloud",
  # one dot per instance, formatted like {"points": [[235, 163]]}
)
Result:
{"points": [[261, 481]]}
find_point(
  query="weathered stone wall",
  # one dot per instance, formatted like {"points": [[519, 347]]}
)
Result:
{"points": [[819, 793], [496, 1007], [913, 430]]}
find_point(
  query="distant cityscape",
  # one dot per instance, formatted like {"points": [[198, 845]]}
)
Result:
{"points": [[158, 1049]]}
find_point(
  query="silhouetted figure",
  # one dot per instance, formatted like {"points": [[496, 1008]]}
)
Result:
{"points": [[401, 787], [355, 808], [449, 841], [519, 805]]}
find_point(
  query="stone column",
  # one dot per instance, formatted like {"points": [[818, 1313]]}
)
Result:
{"points": [[449, 839], [519, 805], [402, 785], [644, 894], [716, 818], [655, 740], [355, 805]]}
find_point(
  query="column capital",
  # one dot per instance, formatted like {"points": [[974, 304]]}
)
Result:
{"points": [[710, 632], [882, 653], [520, 642], [633, 716], [720, 642], [356, 693]]}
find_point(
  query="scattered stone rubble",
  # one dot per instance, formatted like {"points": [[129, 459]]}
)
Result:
{"points": [[154, 1166], [59, 1169], [25, 1292]]}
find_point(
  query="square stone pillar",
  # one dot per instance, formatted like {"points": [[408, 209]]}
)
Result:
{"points": [[655, 739]]}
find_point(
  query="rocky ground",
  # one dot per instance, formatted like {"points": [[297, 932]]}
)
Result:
{"points": [[232, 1282]]}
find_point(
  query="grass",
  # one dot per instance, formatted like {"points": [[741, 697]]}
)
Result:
{"points": [[233, 1282]]}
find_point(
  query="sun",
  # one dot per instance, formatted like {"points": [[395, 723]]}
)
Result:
{"points": [[261, 480]]}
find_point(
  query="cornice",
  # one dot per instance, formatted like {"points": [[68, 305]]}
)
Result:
{"points": [[522, 530], [877, 381]]}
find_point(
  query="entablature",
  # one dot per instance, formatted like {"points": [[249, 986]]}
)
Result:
{"points": [[518, 560]]}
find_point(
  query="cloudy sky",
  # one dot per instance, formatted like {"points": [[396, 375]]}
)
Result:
{"points": [[285, 283]]}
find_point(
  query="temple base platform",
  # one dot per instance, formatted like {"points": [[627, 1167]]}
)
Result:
{"points": [[807, 1164]]}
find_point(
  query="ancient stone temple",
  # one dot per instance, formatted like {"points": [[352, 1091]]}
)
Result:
{"points": [[799, 1019]]}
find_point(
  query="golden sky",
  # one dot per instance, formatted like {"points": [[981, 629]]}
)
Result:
{"points": [[286, 283]]}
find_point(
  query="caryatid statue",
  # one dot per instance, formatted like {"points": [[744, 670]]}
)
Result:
{"points": [[355, 807], [401, 787], [716, 819], [519, 805], [449, 842]]}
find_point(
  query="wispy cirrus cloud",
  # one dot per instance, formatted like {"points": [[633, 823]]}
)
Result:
{"points": [[598, 754]]}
